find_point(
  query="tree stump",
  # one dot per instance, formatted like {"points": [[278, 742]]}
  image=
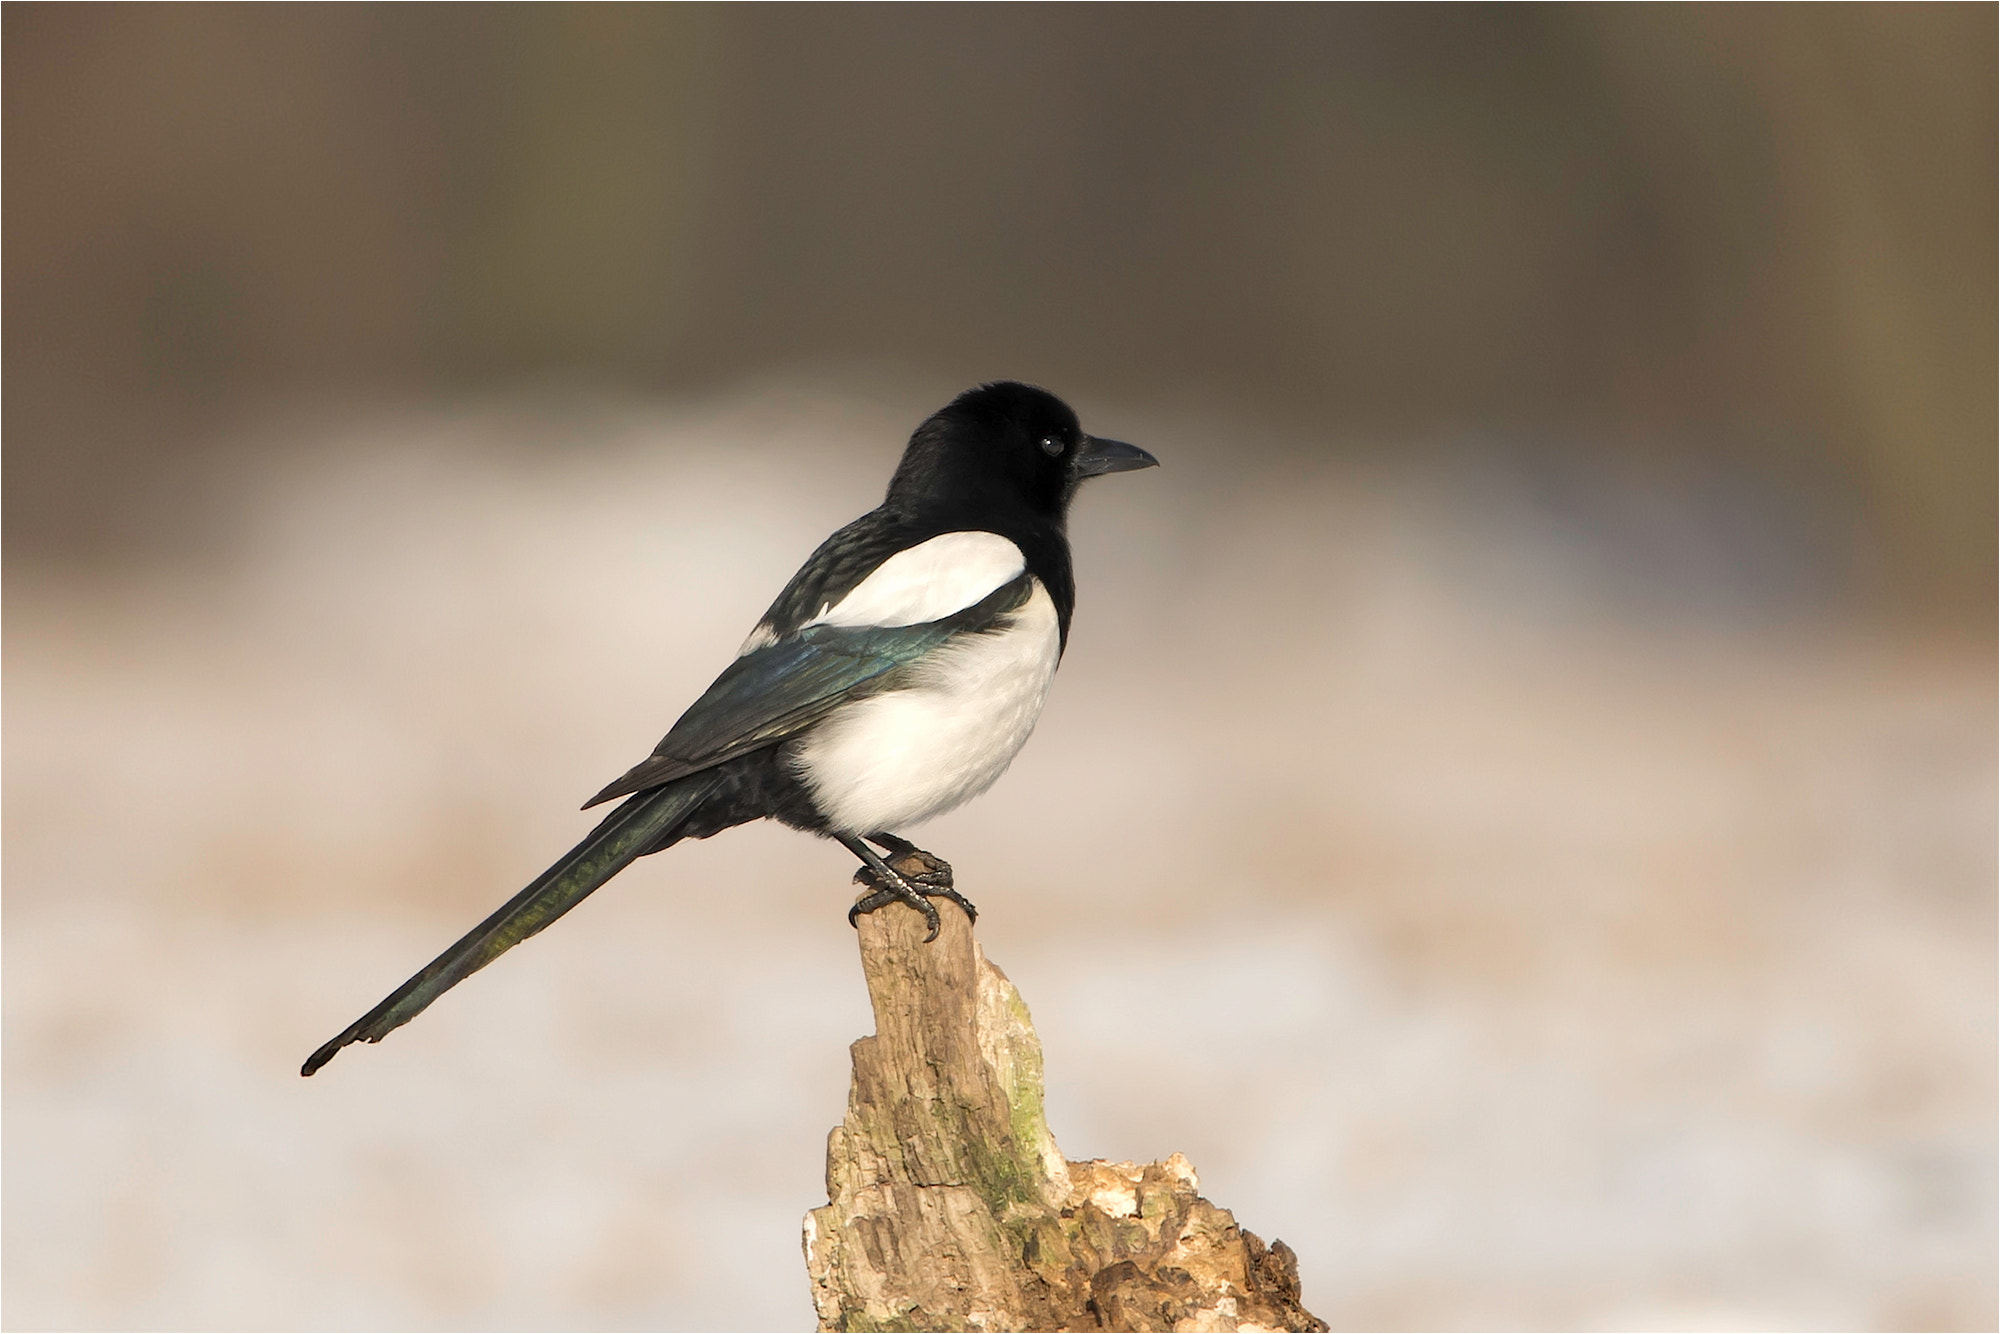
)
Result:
{"points": [[950, 1207]]}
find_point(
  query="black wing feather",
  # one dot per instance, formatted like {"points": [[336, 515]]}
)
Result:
{"points": [[779, 690], [838, 566]]}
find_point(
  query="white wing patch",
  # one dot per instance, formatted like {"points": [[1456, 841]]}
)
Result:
{"points": [[899, 758], [928, 582]]}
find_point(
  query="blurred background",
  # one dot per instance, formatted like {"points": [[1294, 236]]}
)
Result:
{"points": [[1518, 810]]}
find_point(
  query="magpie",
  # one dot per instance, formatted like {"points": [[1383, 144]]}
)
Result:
{"points": [[894, 679]]}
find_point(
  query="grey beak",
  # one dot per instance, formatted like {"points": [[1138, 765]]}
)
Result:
{"points": [[1099, 456]]}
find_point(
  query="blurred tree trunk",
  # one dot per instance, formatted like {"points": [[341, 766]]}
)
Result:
{"points": [[951, 1208]]}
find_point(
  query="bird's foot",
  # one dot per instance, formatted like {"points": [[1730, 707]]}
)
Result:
{"points": [[919, 877]]}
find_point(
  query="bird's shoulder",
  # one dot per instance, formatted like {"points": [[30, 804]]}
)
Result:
{"points": [[833, 570], [892, 569]]}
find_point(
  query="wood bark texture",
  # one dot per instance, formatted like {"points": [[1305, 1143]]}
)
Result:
{"points": [[951, 1208]]}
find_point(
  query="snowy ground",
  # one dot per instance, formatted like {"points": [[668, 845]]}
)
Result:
{"points": [[1522, 907]]}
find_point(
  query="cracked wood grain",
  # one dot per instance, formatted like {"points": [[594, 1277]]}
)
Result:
{"points": [[951, 1208]]}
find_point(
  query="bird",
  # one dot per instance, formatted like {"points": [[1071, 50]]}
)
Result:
{"points": [[894, 679]]}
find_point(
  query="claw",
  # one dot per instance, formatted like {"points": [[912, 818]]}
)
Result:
{"points": [[922, 888], [886, 895], [915, 877]]}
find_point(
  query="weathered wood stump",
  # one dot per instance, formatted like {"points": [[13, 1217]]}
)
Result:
{"points": [[950, 1207]]}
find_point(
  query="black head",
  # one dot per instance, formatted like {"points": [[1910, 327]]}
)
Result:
{"points": [[1004, 447]]}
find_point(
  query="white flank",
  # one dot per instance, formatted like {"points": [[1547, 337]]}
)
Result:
{"points": [[929, 581], [882, 764]]}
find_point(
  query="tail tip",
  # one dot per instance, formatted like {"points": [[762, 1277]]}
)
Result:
{"points": [[320, 1058]]}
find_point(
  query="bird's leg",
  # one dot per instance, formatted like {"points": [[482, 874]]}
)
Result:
{"points": [[931, 869], [932, 873], [890, 887]]}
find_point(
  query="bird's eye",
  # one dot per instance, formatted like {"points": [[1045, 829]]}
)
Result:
{"points": [[1051, 446]]}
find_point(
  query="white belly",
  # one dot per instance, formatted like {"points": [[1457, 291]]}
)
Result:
{"points": [[898, 759]]}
